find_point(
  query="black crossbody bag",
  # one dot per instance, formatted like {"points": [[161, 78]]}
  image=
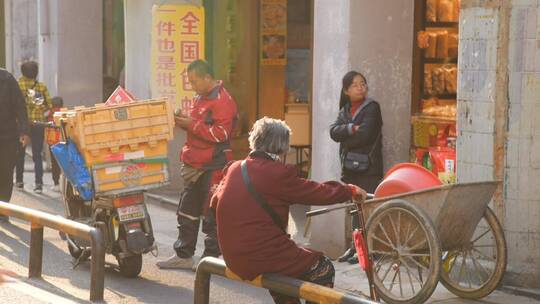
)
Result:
{"points": [[259, 198], [359, 162]]}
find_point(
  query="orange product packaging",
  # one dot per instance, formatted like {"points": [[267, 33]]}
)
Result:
{"points": [[444, 163]]}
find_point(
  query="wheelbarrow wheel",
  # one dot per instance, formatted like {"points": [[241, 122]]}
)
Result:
{"points": [[478, 268], [405, 252]]}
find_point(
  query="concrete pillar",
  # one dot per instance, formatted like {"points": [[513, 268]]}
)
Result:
{"points": [[385, 57], [138, 20], [381, 43], [331, 60], [21, 38], [71, 48]]}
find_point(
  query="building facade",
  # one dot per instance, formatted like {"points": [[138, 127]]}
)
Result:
{"points": [[497, 98], [498, 95]]}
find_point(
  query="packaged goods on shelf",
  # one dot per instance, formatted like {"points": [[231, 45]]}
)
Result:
{"points": [[450, 79], [440, 161], [457, 8], [431, 51], [442, 44], [428, 82], [431, 10], [436, 107], [431, 132], [445, 11], [437, 76], [443, 160], [453, 43], [422, 38]]}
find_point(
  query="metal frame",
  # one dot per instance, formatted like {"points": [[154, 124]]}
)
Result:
{"points": [[38, 220], [275, 282]]}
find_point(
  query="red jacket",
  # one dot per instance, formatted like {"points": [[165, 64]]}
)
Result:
{"points": [[208, 136], [250, 241]]}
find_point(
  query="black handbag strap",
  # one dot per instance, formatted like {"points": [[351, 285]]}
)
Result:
{"points": [[259, 198], [375, 143]]}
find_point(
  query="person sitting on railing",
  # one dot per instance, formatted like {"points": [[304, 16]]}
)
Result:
{"points": [[250, 215]]}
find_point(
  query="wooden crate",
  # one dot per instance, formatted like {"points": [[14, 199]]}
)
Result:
{"points": [[126, 176], [105, 129]]}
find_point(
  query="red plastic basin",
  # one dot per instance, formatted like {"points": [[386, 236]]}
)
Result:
{"points": [[406, 177]]}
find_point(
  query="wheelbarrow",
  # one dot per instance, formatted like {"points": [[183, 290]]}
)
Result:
{"points": [[444, 233]]}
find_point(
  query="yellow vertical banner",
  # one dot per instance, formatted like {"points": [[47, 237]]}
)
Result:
{"points": [[177, 40]]}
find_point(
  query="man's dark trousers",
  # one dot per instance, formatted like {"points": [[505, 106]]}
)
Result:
{"points": [[8, 156], [37, 137], [190, 209]]}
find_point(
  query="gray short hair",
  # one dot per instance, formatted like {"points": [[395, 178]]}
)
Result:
{"points": [[270, 135]]}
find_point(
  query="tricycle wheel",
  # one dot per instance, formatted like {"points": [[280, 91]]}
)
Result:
{"points": [[130, 266], [405, 252], [474, 271]]}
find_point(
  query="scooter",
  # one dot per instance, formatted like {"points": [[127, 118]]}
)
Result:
{"points": [[127, 227]]}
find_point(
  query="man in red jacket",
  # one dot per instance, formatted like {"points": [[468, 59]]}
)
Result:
{"points": [[209, 128], [251, 223]]}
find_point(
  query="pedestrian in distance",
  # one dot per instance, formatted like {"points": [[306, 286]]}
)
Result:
{"points": [[358, 130], [38, 103], [54, 136], [252, 208], [209, 126], [13, 131]]}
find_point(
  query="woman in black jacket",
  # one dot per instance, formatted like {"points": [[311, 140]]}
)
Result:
{"points": [[358, 130]]}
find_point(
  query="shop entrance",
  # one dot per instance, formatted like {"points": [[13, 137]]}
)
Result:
{"points": [[262, 50], [285, 73], [435, 86]]}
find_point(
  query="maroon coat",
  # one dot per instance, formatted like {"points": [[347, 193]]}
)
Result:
{"points": [[250, 241]]}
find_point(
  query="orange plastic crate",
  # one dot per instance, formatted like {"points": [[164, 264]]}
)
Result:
{"points": [[102, 130], [122, 177]]}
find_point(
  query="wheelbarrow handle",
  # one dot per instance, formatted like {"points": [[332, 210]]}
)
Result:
{"points": [[326, 210]]}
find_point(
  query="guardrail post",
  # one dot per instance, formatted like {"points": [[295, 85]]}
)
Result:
{"points": [[97, 264], [201, 293], [36, 251]]}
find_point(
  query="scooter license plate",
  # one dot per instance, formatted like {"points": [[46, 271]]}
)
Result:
{"points": [[129, 213]]}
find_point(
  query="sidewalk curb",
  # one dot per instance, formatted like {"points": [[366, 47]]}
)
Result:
{"points": [[519, 291], [163, 199]]}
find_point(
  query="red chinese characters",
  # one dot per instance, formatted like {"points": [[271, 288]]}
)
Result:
{"points": [[189, 49], [190, 23]]}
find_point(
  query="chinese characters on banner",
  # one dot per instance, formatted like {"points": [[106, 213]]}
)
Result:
{"points": [[177, 40], [273, 32]]}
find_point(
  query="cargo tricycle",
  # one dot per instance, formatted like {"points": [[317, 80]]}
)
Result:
{"points": [[415, 239]]}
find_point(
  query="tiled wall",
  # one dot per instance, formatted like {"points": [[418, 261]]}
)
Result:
{"points": [[479, 58], [476, 94], [522, 222]]}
